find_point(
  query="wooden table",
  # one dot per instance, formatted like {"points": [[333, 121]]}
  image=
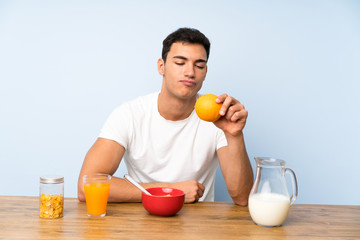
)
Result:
{"points": [[19, 219]]}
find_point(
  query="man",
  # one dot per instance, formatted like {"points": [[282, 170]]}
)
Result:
{"points": [[164, 143]]}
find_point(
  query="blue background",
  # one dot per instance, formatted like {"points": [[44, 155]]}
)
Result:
{"points": [[65, 65]]}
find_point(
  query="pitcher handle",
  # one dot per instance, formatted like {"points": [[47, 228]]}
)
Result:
{"points": [[294, 184]]}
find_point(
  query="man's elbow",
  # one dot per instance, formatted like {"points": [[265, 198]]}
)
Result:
{"points": [[240, 199], [243, 202], [81, 196]]}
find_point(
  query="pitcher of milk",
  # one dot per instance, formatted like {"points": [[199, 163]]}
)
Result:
{"points": [[269, 200]]}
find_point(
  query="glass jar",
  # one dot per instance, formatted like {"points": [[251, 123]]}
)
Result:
{"points": [[51, 196]]}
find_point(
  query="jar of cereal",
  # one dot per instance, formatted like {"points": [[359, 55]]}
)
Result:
{"points": [[51, 196]]}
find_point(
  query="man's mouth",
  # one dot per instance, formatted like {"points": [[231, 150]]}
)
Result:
{"points": [[188, 83]]}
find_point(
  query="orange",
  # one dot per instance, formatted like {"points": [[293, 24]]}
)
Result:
{"points": [[207, 109]]}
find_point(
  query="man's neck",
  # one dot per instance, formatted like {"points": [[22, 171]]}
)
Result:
{"points": [[174, 109]]}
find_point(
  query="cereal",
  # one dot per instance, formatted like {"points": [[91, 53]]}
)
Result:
{"points": [[51, 206]]}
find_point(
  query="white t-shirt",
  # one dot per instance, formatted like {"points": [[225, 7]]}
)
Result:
{"points": [[160, 150]]}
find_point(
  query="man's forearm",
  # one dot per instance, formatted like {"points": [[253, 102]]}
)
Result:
{"points": [[120, 191], [123, 191], [237, 170]]}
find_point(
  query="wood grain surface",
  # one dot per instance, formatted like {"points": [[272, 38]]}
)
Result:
{"points": [[19, 219]]}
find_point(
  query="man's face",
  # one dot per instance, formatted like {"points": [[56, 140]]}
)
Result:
{"points": [[184, 70]]}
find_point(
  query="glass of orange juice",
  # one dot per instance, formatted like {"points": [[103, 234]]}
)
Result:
{"points": [[97, 188]]}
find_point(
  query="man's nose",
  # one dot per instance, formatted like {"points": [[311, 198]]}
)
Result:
{"points": [[189, 70]]}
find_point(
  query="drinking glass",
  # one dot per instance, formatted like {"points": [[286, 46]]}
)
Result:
{"points": [[97, 188]]}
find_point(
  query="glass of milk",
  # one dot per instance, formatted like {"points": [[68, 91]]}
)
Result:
{"points": [[269, 200]]}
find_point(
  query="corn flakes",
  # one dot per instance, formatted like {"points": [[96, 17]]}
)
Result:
{"points": [[51, 206]]}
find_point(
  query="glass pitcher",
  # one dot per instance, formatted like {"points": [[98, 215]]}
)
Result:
{"points": [[269, 200]]}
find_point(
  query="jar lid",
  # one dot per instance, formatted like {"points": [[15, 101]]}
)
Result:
{"points": [[51, 179]]}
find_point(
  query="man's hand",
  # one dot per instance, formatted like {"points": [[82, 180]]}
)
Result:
{"points": [[233, 115], [193, 190]]}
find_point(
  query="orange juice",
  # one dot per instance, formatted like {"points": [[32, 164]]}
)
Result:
{"points": [[96, 195]]}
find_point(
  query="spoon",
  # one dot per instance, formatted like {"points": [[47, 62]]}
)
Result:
{"points": [[131, 180]]}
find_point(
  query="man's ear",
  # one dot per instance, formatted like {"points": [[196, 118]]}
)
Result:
{"points": [[161, 66]]}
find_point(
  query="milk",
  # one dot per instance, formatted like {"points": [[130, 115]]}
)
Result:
{"points": [[269, 209]]}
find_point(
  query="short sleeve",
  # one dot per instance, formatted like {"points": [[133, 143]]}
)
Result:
{"points": [[221, 139], [117, 127]]}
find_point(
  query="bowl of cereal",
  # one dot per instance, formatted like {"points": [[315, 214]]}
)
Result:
{"points": [[163, 201]]}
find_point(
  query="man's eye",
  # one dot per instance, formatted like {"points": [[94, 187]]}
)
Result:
{"points": [[200, 66], [179, 63]]}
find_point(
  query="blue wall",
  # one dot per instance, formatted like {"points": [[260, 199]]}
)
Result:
{"points": [[64, 65]]}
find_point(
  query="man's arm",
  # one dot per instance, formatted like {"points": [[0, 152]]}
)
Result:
{"points": [[105, 156], [234, 161], [236, 169]]}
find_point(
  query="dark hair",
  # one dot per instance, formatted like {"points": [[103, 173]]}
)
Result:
{"points": [[187, 35]]}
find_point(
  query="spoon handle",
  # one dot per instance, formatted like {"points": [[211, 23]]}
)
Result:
{"points": [[131, 180]]}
